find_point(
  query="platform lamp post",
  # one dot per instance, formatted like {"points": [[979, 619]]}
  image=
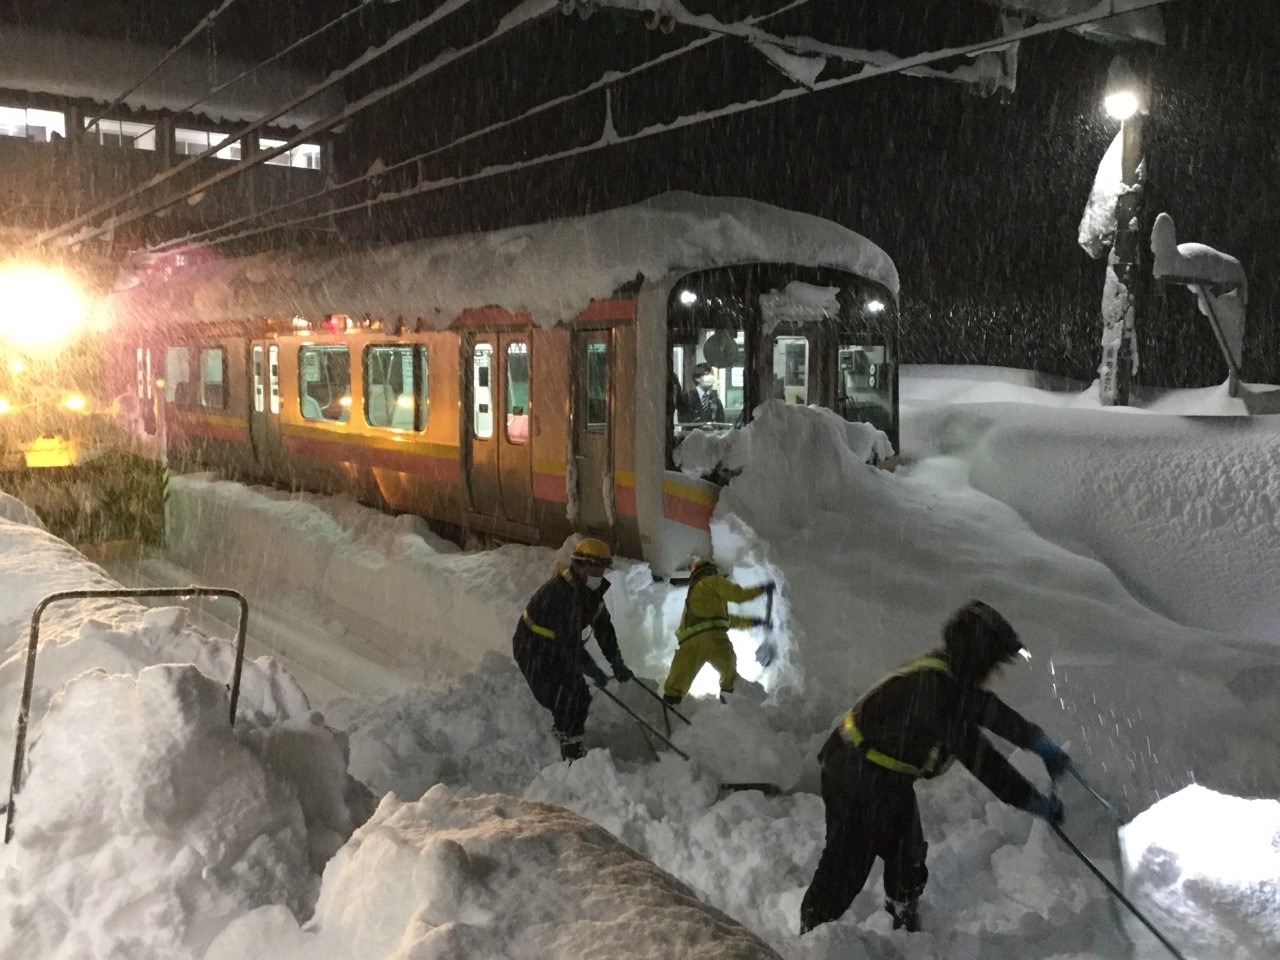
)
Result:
{"points": [[1125, 101]]}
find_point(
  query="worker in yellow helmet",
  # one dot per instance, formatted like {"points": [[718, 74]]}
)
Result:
{"points": [[703, 634], [550, 648]]}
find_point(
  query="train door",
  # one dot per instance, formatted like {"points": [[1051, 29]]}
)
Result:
{"points": [[144, 383], [264, 410], [515, 464], [482, 449], [591, 381]]}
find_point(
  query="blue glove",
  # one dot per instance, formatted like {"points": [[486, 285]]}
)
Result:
{"points": [[591, 670], [1046, 808], [621, 672], [1055, 758]]}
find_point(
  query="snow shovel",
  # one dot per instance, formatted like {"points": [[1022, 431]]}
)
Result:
{"points": [[767, 649], [1097, 871], [644, 724], [667, 708]]}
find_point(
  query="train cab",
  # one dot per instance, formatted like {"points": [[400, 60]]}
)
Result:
{"points": [[739, 336]]}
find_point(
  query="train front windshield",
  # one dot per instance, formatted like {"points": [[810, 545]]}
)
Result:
{"points": [[739, 336]]}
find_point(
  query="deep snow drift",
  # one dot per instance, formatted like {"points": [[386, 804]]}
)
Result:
{"points": [[869, 564]]}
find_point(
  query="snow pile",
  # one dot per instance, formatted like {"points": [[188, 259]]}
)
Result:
{"points": [[1186, 511], [147, 837], [1208, 868], [552, 270], [454, 876]]}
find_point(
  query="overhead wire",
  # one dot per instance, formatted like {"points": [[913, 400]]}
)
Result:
{"points": [[172, 52], [248, 71], [401, 37], [529, 11], [608, 79], [1104, 10]]}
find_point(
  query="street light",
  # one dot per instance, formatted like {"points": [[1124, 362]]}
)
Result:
{"points": [[1124, 100]]}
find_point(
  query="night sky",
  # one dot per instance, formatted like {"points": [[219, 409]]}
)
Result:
{"points": [[977, 199]]}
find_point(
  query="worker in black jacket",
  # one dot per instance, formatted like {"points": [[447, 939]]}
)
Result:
{"points": [[910, 725], [550, 647]]}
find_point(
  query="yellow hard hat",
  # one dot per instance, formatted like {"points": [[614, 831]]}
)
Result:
{"points": [[593, 552]]}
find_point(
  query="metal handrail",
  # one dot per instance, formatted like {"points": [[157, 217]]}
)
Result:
{"points": [[28, 682]]}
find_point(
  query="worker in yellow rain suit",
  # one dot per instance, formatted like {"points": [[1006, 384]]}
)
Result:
{"points": [[703, 634]]}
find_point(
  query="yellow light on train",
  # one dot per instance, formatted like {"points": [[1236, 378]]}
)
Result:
{"points": [[40, 307], [75, 402], [4, 406]]}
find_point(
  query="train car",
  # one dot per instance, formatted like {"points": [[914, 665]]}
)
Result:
{"points": [[526, 383]]}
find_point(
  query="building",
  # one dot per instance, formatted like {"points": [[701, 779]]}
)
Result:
{"points": [[65, 149]]}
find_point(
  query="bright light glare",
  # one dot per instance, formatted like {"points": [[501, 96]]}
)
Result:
{"points": [[4, 407], [688, 298], [16, 366], [74, 401], [40, 308], [404, 401], [1121, 105], [344, 402], [875, 306]]}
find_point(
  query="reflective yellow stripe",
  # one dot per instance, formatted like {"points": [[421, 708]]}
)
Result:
{"points": [[540, 631], [849, 728], [700, 626]]}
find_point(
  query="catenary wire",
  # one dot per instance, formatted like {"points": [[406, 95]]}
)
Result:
{"points": [[401, 37], [1103, 11], [608, 79]]}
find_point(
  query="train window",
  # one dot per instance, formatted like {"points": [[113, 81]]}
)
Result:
{"points": [[481, 391], [791, 369], [517, 393], [177, 376], [259, 390], [324, 382], [863, 388], [597, 387], [213, 366], [273, 376], [390, 375]]}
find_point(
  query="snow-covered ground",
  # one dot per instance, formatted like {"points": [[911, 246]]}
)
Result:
{"points": [[1135, 551]]}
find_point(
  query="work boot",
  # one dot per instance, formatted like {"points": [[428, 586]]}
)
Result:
{"points": [[571, 748], [905, 913]]}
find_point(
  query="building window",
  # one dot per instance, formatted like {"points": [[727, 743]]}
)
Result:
{"points": [[121, 133], [192, 143], [305, 156], [37, 125]]}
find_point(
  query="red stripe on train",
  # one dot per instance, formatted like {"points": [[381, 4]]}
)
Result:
{"points": [[696, 515]]}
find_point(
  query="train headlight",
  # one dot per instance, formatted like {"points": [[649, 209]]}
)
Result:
{"points": [[75, 402], [4, 406], [875, 306], [41, 308]]}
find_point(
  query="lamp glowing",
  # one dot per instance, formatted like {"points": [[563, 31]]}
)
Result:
{"points": [[1121, 105], [41, 308]]}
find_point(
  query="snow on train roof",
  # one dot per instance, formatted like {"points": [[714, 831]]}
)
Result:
{"points": [[552, 270]]}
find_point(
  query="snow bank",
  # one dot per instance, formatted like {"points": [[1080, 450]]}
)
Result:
{"points": [[493, 876], [1207, 867], [147, 836]]}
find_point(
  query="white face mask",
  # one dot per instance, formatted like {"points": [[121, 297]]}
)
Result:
{"points": [[708, 381], [594, 582]]}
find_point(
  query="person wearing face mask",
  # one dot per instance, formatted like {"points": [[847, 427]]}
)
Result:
{"points": [[549, 644], [702, 403]]}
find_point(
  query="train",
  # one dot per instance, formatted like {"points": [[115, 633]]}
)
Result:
{"points": [[523, 384]]}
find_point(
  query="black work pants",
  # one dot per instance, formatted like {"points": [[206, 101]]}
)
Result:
{"points": [[871, 813], [561, 690]]}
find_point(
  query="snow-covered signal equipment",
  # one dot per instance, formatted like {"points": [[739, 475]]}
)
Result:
{"points": [[578, 375]]}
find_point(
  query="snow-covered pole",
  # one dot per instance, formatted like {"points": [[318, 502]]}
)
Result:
{"points": [[1119, 365]]}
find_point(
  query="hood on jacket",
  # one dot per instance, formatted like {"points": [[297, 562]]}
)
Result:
{"points": [[978, 639]]}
